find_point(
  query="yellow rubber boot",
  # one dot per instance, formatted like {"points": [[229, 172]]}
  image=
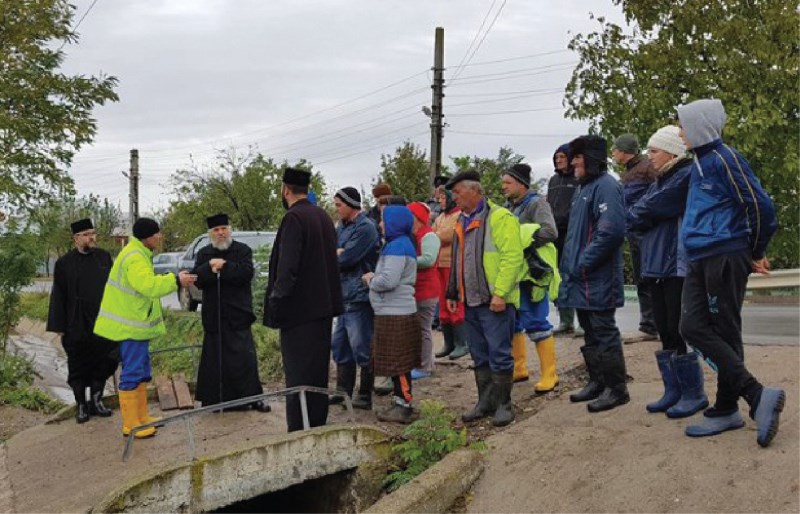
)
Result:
{"points": [[141, 397], [546, 348], [519, 350], [129, 408]]}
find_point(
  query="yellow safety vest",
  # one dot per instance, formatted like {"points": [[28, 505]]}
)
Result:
{"points": [[131, 306]]}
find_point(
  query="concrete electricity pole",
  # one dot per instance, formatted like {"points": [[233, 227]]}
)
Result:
{"points": [[133, 180], [436, 106]]}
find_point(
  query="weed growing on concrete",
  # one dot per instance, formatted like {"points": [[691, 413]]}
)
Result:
{"points": [[16, 386]]}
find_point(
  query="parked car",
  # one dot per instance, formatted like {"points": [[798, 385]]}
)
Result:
{"points": [[167, 262], [191, 297]]}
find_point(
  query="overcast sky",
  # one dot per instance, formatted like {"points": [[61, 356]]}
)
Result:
{"points": [[309, 79]]}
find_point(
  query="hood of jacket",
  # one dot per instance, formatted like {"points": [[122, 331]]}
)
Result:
{"points": [[565, 150], [702, 121], [398, 223], [593, 149]]}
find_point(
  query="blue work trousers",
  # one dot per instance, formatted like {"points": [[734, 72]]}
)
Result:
{"points": [[489, 334], [532, 316], [135, 358]]}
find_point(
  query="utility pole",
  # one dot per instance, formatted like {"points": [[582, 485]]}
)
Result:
{"points": [[436, 106], [133, 180]]}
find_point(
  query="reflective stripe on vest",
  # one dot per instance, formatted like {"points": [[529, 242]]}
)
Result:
{"points": [[128, 322]]}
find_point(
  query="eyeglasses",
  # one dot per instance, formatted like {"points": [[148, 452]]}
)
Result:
{"points": [[87, 233]]}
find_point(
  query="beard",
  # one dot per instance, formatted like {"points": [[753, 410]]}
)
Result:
{"points": [[222, 245], [285, 203]]}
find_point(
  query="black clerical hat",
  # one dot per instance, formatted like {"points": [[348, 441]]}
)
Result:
{"points": [[81, 225]]}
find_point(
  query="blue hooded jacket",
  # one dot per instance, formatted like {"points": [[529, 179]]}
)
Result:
{"points": [[657, 218], [727, 211], [591, 267], [391, 291]]}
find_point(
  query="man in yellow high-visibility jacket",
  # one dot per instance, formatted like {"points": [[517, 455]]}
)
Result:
{"points": [[131, 314]]}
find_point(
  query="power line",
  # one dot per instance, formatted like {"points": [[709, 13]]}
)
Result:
{"points": [[464, 95], [407, 138], [516, 71], [494, 113], [529, 95], [75, 28], [509, 134], [480, 43], [512, 77], [457, 69], [521, 57]]}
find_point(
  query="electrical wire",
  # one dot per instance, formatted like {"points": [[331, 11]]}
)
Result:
{"points": [[460, 65], [494, 113], [480, 43], [75, 28], [508, 134]]}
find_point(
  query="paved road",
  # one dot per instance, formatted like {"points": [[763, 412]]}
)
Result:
{"points": [[762, 324]]}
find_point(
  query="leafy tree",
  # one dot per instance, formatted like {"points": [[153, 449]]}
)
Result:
{"points": [[491, 170], [17, 253], [45, 115], [247, 188], [407, 172], [744, 52]]}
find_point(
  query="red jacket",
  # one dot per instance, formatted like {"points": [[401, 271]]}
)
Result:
{"points": [[427, 285]]}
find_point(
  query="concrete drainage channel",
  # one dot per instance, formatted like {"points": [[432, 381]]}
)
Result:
{"points": [[327, 469]]}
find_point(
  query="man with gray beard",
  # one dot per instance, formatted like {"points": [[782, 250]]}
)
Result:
{"points": [[228, 265]]}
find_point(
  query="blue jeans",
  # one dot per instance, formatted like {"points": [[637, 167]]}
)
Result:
{"points": [[353, 335], [135, 358], [489, 335], [532, 316]]}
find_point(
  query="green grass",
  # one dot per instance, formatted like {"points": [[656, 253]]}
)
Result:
{"points": [[35, 305], [185, 328]]}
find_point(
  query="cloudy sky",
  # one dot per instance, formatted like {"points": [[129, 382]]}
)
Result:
{"points": [[338, 82]]}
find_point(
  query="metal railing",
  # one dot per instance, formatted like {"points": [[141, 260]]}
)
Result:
{"points": [[776, 279], [186, 417]]}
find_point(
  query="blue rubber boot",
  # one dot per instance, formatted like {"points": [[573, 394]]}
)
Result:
{"points": [[715, 425], [768, 414], [672, 390], [690, 380]]}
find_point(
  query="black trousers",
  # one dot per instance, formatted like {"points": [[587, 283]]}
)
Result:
{"points": [[90, 362], [667, 312], [306, 352], [711, 322], [647, 322], [600, 328]]}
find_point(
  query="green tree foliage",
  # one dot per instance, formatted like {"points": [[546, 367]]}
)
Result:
{"points": [[246, 188], [744, 52], [45, 115], [18, 255], [491, 170], [407, 172]]}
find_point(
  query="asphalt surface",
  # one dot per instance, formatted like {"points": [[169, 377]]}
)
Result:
{"points": [[762, 324]]}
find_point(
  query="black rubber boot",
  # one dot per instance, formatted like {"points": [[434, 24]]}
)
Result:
{"points": [[81, 406], [363, 400], [502, 383], [345, 381], [96, 407], [485, 406], [449, 342], [612, 364], [595, 385]]}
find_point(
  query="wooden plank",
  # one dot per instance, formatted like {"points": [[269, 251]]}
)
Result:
{"points": [[182, 391], [166, 395]]}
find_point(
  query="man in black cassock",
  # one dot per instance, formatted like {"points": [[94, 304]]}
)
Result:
{"points": [[224, 270], [79, 279], [303, 296]]}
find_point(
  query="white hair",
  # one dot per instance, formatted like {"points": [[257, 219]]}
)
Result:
{"points": [[224, 245], [473, 184]]}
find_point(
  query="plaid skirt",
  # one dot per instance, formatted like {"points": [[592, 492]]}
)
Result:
{"points": [[396, 345]]}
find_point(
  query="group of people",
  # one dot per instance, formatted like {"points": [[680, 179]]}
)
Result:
{"points": [[697, 227]]}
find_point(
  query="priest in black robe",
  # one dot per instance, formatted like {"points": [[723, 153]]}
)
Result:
{"points": [[79, 279], [303, 296], [224, 270]]}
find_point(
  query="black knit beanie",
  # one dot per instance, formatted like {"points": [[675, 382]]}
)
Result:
{"points": [[144, 228]]}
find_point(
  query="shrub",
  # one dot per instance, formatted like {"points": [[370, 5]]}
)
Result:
{"points": [[35, 305], [426, 442], [16, 385]]}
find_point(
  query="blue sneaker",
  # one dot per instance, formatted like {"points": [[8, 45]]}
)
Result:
{"points": [[768, 414], [717, 425], [416, 374]]}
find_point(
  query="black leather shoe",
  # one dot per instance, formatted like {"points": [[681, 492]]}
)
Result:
{"points": [[610, 398], [96, 407], [262, 406], [81, 413]]}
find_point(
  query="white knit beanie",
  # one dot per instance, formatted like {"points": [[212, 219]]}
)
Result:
{"points": [[668, 139]]}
